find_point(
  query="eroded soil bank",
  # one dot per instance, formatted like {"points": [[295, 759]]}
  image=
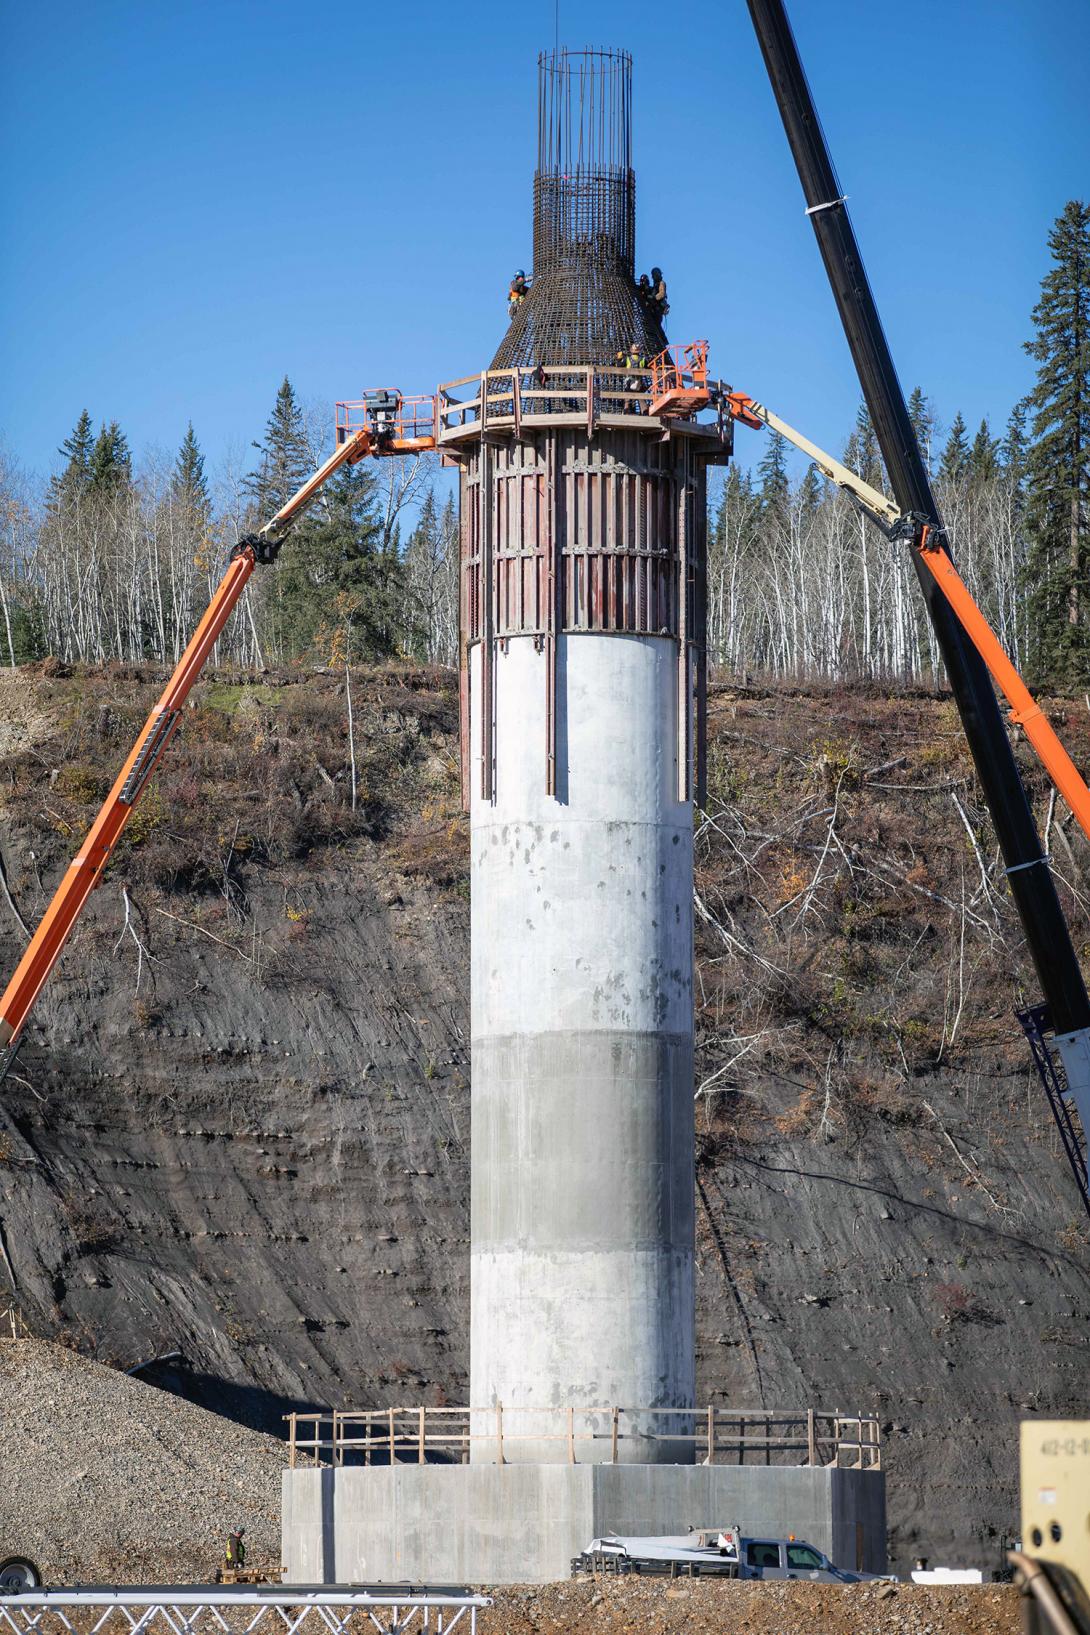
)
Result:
{"points": [[239, 1128]]}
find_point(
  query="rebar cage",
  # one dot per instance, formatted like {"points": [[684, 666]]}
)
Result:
{"points": [[583, 306]]}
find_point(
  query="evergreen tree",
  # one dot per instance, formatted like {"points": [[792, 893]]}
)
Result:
{"points": [[954, 464], [430, 577], [775, 491], [811, 493], [77, 450], [285, 459], [336, 563], [423, 564], [1014, 449], [922, 416], [1059, 459], [1013, 456], [861, 451], [983, 462], [111, 461], [189, 482]]}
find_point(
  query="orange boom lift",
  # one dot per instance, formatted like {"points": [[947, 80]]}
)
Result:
{"points": [[381, 423]]}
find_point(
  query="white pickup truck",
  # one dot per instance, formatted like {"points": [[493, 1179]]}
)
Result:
{"points": [[723, 1552]]}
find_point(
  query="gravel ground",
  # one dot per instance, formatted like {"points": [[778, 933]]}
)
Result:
{"points": [[105, 1478], [723, 1608]]}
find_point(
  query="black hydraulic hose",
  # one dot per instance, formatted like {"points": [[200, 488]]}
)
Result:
{"points": [[1031, 883]]}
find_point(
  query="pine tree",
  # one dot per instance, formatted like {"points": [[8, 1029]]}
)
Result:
{"points": [[811, 493], [111, 461], [954, 464], [983, 462], [423, 562], [775, 491], [861, 452], [429, 569], [1014, 449], [189, 482], [77, 450], [285, 458], [1059, 459], [336, 563], [922, 416]]}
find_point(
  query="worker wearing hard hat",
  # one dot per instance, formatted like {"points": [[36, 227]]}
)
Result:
{"points": [[659, 304], [634, 359], [235, 1553], [517, 292]]}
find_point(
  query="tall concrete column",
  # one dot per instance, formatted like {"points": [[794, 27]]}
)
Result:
{"points": [[582, 943]]}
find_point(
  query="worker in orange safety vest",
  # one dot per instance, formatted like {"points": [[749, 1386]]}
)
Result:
{"points": [[517, 293]]}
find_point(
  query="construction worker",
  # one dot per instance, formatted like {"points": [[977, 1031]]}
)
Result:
{"points": [[634, 359], [643, 290], [235, 1554], [625, 360], [517, 292], [383, 408], [660, 305]]}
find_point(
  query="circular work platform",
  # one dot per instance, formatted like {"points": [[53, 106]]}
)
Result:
{"points": [[503, 404]]}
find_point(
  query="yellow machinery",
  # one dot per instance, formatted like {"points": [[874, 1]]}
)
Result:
{"points": [[1053, 1566]]}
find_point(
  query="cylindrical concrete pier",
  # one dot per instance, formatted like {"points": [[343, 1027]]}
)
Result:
{"points": [[582, 939]]}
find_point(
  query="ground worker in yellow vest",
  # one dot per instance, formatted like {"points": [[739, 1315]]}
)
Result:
{"points": [[235, 1554]]}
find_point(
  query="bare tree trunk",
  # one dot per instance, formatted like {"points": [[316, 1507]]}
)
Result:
{"points": [[351, 731], [7, 623]]}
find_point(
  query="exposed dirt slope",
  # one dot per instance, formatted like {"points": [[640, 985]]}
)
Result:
{"points": [[247, 1137]]}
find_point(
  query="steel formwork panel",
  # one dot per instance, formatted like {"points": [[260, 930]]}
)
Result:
{"points": [[619, 536], [579, 535]]}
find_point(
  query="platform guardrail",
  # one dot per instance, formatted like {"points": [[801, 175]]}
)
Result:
{"points": [[420, 1435], [518, 400]]}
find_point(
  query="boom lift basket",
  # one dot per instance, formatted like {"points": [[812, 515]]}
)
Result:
{"points": [[401, 425], [679, 380]]}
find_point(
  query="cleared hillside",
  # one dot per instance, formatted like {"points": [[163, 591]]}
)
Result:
{"points": [[240, 1126]]}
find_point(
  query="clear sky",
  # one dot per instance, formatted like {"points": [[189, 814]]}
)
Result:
{"points": [[199, 196]]}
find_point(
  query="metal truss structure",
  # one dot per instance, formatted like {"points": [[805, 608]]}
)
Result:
{"points": [[276, 1610]]}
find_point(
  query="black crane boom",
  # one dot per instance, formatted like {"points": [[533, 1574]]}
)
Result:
{"points": [[1031, 883]]}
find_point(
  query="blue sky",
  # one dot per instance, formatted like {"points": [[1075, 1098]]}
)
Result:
{"points": [[201, 195]]}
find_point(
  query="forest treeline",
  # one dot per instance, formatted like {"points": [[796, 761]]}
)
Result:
{"points": [[113, 561]]}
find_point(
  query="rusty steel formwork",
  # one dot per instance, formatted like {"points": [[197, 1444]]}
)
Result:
{"points": [[583, 306], [577, 535]]}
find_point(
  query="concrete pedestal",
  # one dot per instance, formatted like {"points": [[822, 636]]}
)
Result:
{"points": [[522, 1524]]}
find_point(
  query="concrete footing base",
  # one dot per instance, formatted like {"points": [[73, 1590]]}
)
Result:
{"points": [[522, 1524]]}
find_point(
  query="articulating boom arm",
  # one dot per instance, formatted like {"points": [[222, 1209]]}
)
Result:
{"points": [[86, 868]]}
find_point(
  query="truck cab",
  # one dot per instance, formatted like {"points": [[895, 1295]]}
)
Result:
{"points": [[789, 1558]]}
